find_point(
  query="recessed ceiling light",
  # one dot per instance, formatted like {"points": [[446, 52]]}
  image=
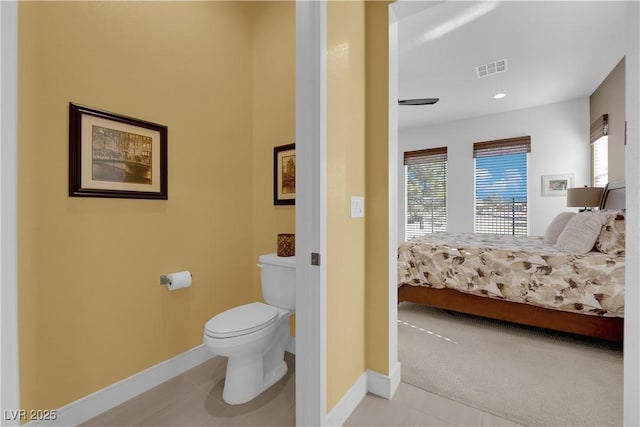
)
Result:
{"points": [[499, 95]]}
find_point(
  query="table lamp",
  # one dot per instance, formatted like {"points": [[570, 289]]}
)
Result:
{"points": [[585, 197]]}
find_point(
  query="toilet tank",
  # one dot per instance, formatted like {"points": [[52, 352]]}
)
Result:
{"points": [[278, 279]]}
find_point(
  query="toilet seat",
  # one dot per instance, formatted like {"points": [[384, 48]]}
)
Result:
{"points": [[241, 320]]}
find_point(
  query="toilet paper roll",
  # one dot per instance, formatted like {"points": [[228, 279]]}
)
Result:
{"points": [[179, 280]]}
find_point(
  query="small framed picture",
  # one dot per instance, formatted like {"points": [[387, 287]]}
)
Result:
{"points": [[284, 175], [115, 156], [556, 185]]}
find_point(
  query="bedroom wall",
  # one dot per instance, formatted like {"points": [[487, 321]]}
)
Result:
{"points": [[91, 310], [609, 98], [558, 134]]}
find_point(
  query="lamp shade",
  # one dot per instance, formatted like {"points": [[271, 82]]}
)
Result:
{"points": [[584, 196]]}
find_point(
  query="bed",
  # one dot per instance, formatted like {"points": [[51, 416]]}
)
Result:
{"points": [[562, 281]]}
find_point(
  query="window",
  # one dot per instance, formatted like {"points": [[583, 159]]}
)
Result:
{"points": [[600, 156], [501, 186], [426, 185], [600, 151]]}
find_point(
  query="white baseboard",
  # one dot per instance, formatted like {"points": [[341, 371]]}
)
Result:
{"points": [[348, 403], [102, 400], [369, 382], [384, 385]]}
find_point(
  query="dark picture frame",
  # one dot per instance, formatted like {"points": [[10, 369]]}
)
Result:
{"points": [[112, 155], [284, 175]]}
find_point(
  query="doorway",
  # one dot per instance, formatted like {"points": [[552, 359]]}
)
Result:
{"points": [[401, 10]]}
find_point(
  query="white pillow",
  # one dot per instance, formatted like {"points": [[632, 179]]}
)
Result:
{"points": [[557, 225], [581, 232]]}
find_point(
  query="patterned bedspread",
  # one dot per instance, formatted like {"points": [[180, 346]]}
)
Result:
{"points": [[522, 269]]}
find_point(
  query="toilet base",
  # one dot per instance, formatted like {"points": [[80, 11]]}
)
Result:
{"points": [[255, 361], [248, 375], [243, 387]]}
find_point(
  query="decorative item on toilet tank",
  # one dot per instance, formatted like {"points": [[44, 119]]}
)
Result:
{"points": [[286, 245]]}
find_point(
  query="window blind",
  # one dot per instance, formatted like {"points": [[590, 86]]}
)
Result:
{"points": [[600, 127], [502, 146], [501, 186], [600, 151], [426, 191]]}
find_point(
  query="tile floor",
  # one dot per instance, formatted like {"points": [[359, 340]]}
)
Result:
{"points": [[195, 399], [412, 406]]}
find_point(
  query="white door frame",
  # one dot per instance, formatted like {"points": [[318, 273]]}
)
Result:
{"points": [[394, 364], [311, 142], [9, 368], [632, 178]]}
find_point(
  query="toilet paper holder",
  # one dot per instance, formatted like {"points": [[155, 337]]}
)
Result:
{"points": [[164, 279]]}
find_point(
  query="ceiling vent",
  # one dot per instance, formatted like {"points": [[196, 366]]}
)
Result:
{"points": [[491, 68]]}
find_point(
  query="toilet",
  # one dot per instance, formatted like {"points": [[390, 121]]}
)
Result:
{"points": [[254, 336]]}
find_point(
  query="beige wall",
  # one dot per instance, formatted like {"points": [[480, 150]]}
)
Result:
{"points": [[377, 195], [358, 147], [274, 71], [345, 178], [608, 98], [274, 44], [91, 310]]}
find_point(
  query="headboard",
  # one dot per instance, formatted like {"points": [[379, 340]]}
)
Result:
{"points": [[613, 196]]}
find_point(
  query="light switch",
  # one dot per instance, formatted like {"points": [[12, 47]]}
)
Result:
{"points": [[357, 207]]}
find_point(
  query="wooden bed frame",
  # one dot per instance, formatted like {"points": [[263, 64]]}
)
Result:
{"points": [[606, 328]]}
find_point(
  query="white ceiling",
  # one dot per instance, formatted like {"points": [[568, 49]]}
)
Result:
{"points": [[556, 51]]}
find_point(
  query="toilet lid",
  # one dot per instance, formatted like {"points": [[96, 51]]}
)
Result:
{"points": [[241, 320]]}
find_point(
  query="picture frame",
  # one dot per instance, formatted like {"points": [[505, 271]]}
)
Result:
{"points": [[112, 155], [284, 175], [556, 185]]}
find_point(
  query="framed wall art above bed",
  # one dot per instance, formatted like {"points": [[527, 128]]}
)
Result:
{"points": [[556, 185]]}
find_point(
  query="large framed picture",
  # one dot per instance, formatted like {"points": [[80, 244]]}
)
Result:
{"points": [[284, 175], [556, 185], [116, 156]]}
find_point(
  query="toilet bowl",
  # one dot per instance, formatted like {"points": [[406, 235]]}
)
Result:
{"points": [[254, 336]]}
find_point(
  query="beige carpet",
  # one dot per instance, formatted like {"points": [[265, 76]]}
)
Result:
{"points": [[528, 375]]}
